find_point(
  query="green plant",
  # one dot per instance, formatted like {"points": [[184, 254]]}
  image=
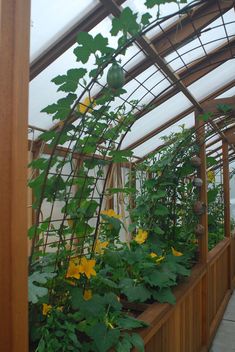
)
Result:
{"points": [[78, 257]]}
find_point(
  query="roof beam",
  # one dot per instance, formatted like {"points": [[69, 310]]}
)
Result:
{"points": [[187, 112], [153, 53], [66, 40], [181, 31], [201, 17], [199, 70]]}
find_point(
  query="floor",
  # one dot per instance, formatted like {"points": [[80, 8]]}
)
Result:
{"points": [[225, 337]]}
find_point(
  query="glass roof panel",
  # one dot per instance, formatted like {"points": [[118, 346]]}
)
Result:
{"points": [[165, 10], [210, 38], [156, 141], [50, 19], [214, 146], [43, 92], [214, 80], [229, 93], [155, 118]]}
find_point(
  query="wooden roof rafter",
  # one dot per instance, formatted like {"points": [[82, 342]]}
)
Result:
{"points": [[199, 69], [187, 112], [67, 39], [198, 13]]}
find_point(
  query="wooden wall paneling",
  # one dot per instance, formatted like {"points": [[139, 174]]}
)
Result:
{"points": [[202, 173], [226, 188], [203, 240], [14, 77]]}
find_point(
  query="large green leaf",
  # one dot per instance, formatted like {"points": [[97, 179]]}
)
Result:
{"points": [[164, 295], [69, 82], [35, 291], [62, 108]]}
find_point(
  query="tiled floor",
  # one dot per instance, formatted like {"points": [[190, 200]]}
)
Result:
{"points": [[225, 337]]}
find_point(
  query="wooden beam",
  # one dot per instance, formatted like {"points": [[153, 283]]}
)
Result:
{"points": [[181, 31], [67, 39], [14, 77], [199, 69], [62, 151], [203, 220], [226, 187], [178, 118], [197, 19]]}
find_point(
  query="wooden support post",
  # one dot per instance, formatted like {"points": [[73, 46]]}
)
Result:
{"points": [[203, 240], [14, 78], [226, 188]]}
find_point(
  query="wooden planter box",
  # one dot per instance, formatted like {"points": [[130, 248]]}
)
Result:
{"points": [[190, 325]]}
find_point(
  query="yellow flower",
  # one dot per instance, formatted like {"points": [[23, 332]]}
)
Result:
{"points": [[111, 213], [175, 252], [87, 102], [73, 269], [160, 259], [87, 295], [87, 267], [141, 236], [46, 308], [211, 176], [100, 246]]}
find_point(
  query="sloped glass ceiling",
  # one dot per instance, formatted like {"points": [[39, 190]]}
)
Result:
{"points": [[218, 33], [156, 141], [51, 18], [147, 86], [165, 9], [43, 92]]}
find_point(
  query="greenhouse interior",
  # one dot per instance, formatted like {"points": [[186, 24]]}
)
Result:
{"points": [[117, 145]]}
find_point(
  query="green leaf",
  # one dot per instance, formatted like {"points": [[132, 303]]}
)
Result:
{"points": [[158, 230], [212, 195], [137, 342], [205, 117], [152, 3], [119, 156], [137, 293], [103, 338], [126, 23], [62, 108], [161, 210], [124, 345], [69, 82], [47, 136], [35, 291], [160, 279], [128, 323], [159, 194], [89, 45], [225, 108], [164, 295], [83, 52], [145, 19], [210, 161]]}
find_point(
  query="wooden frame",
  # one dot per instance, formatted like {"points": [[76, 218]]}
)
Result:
{"points": [[181, 328], [14, 74]]}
